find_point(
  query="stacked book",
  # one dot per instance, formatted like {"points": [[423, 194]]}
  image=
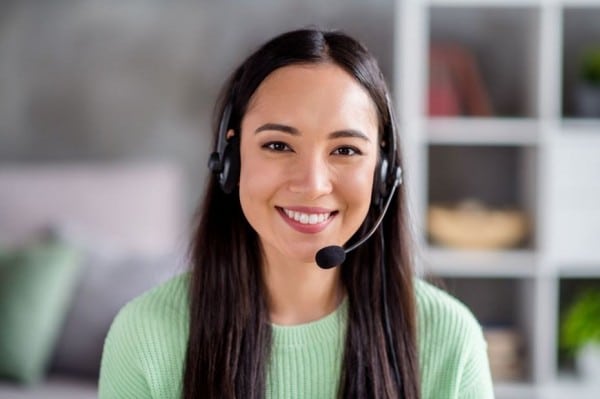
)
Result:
{"points": [[505, 353]]}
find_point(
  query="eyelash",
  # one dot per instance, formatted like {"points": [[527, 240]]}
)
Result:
{"points": [[279, 146]]}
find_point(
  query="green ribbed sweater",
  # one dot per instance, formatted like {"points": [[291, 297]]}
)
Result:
{"points": [[145, 349]]}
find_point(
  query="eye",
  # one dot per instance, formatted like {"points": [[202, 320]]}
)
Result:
{"points": [[347, 151], [276, 146]]}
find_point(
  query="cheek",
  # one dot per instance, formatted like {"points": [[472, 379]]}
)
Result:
{"points": [[257, 185], [357, 188]]}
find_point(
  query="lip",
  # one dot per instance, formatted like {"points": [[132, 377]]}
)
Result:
{"points": [[306, 228]]}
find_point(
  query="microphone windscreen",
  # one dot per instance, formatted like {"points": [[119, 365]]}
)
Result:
{"points": [[330, 256]]}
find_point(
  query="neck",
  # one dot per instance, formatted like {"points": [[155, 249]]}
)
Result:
{"points": [[299, 293]]}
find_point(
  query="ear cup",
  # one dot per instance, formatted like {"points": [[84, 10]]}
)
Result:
{"points": [[230, 174], [383, 182], [380, 186]]}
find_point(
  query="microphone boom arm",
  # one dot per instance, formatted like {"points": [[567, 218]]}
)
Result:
{"points": [[397, 181]]}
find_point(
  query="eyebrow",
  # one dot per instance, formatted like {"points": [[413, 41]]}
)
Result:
{"points": [[293, 131], [279, 127], [349, 133]]}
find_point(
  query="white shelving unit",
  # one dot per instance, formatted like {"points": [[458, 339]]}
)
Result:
{"points": [[526, 50]]}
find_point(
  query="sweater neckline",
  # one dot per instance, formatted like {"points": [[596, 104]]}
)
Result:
{"points": [[328, 328]]}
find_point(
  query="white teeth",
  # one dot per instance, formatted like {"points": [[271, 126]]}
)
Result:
{"points": [[307, 218]]}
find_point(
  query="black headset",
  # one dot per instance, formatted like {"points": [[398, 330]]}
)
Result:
{"points": [[224, 161]]}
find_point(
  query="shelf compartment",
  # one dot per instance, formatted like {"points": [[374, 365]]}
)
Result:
{"points": [[483, 131], [581, 31], [570, 290], [483, 55], [500, 178], [573, 215], [497, 303]]}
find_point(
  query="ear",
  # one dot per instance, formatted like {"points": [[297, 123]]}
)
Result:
{"points": [[230, 134]]}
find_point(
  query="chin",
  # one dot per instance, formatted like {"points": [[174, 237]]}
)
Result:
{"points": [[303, 255], [307, 258]]}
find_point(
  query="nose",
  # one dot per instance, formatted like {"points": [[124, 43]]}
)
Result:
{"points": [[310, 176]]}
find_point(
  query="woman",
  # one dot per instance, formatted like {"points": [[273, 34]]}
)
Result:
{"points": [[306, 158]]}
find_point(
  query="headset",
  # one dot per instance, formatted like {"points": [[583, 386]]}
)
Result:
{"points": [[224, 162]]}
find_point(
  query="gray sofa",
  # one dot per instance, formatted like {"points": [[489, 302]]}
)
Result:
{"points": [[126, 220], [106, 283]]}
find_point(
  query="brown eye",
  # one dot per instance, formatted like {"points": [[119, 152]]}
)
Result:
{"points": [[346, 151], [276, 146]]}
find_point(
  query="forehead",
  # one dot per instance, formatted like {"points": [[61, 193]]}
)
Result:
{"points": [[314, 94]]}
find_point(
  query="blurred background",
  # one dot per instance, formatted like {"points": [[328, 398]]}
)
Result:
{"points": [[87, 80], [105, 131]]}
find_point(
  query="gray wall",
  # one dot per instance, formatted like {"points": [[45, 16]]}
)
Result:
{"points": [[108, 80]]}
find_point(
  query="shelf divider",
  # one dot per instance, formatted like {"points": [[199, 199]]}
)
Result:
{"points": [[466, 263], [483, 131]]}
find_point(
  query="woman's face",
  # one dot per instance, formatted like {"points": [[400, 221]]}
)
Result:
{"points": [[309, 147]]}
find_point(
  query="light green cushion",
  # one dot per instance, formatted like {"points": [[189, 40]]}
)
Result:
{"points": [[36, 286]]}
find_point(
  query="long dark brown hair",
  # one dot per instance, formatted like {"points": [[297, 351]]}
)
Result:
{"points": [[230, 334]]}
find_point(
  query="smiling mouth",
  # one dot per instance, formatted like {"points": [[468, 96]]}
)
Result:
{"points": [[307, 218]]}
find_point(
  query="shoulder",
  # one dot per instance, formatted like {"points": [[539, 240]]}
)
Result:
{"points": [[452, 348], [146, 343], [162, 309], [436, 309], [443, 319], [168, 298]]}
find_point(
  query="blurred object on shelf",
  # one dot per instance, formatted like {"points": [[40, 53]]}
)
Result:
{"points": [[504, 352], [455, 83], [587, 93], [444, 96], [588, 363], [580, 333], [470, 224]]}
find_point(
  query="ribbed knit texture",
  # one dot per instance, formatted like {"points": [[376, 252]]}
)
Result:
{"points": [[145, 349]]}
